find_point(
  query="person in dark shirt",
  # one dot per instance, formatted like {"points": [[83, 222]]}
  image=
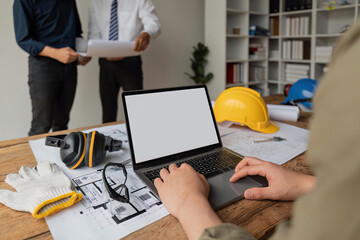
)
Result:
{"points": [[47, 29]]}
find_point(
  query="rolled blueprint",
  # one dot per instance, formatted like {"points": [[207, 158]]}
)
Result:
{"points": [[283, 112]]}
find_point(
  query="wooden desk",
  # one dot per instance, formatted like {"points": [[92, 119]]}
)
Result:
{"points": [[257, 217]]}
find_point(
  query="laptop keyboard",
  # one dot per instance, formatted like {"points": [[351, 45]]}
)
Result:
{"points": [[209, 165]]}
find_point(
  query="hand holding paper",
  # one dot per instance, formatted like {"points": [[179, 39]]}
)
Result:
{"points": [[142, 41], [107, 49]]}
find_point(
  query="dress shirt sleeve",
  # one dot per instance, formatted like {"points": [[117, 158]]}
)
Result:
{"points": [[94, 30], [226, 231], [23, 13], [149, 18]]}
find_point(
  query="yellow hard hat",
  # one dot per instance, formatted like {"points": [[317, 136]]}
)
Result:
{"points": [[245, 106]]}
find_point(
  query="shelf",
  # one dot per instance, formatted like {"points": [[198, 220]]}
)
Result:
{"points": [[273, 81], [235, 85], [244, 36], [296, 60], [298, 12], [256, 83], [332, 22], [250, 36], [258, 13], [236, 60], [257, 60], [236, 36], [322, 62], [297, 37], [235, 11], [274, 14], [337, 8], [335, 35], [316, 27], [284, 83], [245, 60]]}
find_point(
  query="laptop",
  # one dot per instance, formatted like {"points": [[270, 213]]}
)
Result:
{"points": [[177, 125]]}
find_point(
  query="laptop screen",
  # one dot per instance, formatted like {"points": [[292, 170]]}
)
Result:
{"points": [[163, 123]]}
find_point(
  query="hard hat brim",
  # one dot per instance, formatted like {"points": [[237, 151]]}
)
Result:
{"points": [[272, 127]]}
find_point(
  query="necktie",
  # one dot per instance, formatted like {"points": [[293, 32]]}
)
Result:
{"points": [[113, 33]]}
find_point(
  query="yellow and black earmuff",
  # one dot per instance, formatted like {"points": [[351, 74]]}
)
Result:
{"points": [[78, 149], [95, 148]]}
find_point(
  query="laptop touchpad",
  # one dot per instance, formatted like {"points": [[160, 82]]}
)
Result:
{"points": [[223, 192]]}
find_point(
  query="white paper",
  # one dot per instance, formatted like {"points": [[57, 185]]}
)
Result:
{"points": [[97, 216], [283, 112], [105, 48], [240, 140], [81, 46]]}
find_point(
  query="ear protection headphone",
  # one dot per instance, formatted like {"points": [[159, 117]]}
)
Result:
{"points": [[78, 149]]}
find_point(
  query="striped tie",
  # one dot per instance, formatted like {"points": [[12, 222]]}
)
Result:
{"points": [[113, 33]]}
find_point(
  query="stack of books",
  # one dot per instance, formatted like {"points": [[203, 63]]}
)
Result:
{"points": [[296, 49], [323, 53], [274, 6], [297, 26], [294, 5], [234, 72], [274, 54], [256, 30], [257, 51], [294, 72], [256, 73]]}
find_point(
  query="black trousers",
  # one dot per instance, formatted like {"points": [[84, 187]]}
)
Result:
{"points": [[126, 73], [52, 91]]}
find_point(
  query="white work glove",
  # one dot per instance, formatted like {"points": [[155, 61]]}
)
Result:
{"points": [[42, 191]]}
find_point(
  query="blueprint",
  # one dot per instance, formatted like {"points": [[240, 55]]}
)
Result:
{"points": [[240, 139], [97, 216]]}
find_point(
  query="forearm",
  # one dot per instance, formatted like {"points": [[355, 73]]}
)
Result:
{"points": [[64, 55], [197, 216], [48, 52]]}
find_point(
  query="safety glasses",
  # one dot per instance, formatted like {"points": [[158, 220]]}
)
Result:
{"points": [[114, 176]]}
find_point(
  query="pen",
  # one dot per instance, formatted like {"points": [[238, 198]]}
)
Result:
{"points": [[276, 139]]}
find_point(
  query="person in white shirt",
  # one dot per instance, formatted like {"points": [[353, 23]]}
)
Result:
{"points": [[121, 20]]}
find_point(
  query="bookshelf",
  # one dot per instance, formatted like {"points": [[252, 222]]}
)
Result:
{"points": [[238, 54], [299, 45]]}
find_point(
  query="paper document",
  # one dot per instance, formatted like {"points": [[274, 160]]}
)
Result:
{"points": [[283, 112], [97, 216], [104, 48], [240, 139]]}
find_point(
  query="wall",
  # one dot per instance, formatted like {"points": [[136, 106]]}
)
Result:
{"points": [[164, 65]]}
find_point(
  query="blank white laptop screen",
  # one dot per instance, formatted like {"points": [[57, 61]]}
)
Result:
{"points": [[169, 122]]}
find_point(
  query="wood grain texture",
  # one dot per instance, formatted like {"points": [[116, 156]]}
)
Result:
{"points": [[257, 217]]}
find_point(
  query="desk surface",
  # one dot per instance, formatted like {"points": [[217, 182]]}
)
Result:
{"points": [[257, 217]]}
